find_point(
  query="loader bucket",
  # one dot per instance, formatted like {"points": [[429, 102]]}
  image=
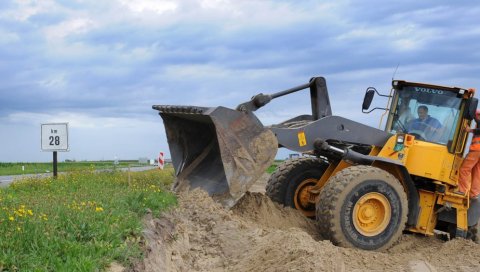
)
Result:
{"points": [[219, 150]]}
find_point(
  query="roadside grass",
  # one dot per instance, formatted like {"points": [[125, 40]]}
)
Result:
{"points": [[274, 166], [15, 168], [81, 221]]}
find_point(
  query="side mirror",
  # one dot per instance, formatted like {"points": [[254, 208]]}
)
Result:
{"points": [[367, 100], [470, 108]]}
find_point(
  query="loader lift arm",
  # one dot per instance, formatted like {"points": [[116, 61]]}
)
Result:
{"points": [[318, 96]]}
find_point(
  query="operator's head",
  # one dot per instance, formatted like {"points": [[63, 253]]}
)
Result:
{"points": [[422, 112]]}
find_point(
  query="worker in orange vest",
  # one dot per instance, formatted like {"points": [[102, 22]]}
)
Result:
{"points": [[469, 177]]}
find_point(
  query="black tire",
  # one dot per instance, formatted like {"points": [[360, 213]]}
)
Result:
{"points": [[283, 183], [348, 200]]}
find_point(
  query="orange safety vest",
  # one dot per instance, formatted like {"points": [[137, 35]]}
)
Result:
{"points": [[475, 144]]}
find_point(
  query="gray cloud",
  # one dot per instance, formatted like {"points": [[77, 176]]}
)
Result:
{"points": [[114, 59]]}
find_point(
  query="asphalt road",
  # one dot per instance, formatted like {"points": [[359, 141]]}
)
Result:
{"points": [[6, 180]]}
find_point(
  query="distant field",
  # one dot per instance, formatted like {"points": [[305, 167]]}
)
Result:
{"points": [[8, 168]]}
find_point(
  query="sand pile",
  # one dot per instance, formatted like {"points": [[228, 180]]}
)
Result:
{"points": [[259, 235]]}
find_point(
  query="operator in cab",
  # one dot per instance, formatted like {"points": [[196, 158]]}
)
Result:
{"points": [[424, 126]]}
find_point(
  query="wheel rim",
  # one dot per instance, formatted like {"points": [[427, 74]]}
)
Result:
{"points": [[302, 196], [371, 214]]}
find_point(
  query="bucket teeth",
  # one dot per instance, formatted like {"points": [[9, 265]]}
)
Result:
{"points": [[180, 109]]}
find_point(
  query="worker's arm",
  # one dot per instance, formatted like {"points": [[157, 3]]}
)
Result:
{"points": [[475, 130]]}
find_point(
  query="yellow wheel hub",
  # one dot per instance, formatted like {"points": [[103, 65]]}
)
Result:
{"points": [[371, 214], [304, 200]]}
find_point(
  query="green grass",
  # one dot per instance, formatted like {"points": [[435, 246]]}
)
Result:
{"points": [[81, 221], [15, 168], [274, 166]]}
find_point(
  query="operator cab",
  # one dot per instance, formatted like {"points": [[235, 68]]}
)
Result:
{"points": [[428, 112]]}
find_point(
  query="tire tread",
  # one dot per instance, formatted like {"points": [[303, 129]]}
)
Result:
{"points": [[330, 197], [279, 180]]}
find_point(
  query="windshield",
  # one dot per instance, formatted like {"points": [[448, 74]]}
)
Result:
{"points": [[429, 114]]}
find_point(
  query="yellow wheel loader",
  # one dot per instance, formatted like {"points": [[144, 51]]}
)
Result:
{"points": [[364, 186]]}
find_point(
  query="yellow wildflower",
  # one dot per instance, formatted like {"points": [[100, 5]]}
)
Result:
{"points": [[98, 209], [43, 217], [30, 212], [11, 218]]}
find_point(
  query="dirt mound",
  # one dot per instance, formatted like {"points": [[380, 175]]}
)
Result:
{"points": [[259, 235], [260, 210]]}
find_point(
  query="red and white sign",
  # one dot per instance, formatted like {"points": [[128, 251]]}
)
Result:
{"points": [[161, 160]]}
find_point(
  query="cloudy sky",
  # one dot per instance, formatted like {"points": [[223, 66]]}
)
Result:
{"points": [[101, 65]]}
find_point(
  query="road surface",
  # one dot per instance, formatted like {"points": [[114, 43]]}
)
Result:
{"points": [[6, 180]]}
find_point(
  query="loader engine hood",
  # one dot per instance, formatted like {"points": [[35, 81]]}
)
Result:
{"points": [[219, 150]]}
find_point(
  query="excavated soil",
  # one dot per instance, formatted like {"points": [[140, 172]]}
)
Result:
{"points": [[259, 235]]}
